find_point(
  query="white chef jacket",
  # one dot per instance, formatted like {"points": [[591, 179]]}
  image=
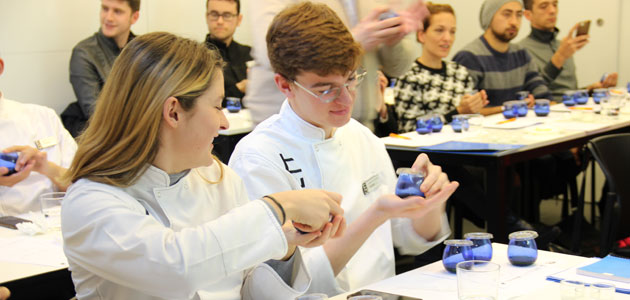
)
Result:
{"points": [[21, 125], [191, 240], [263, 98], [285, 152]]}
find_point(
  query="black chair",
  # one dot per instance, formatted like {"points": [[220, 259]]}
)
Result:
{"points": [[612, 153]]}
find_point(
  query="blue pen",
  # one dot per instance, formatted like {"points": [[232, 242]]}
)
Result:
{"points": [[617, 289]]}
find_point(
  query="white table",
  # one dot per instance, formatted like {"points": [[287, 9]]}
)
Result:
{"points": [[433, 282]]}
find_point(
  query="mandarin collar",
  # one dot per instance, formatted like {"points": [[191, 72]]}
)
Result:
{"points": [[544, 35], [295, 124]]}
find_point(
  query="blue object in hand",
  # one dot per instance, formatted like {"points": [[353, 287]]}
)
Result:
{"points": [[8, 161], [455, 252], [408, 183], [482, 247], [522, 249]]}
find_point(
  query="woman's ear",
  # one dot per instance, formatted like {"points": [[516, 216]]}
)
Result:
{"points": [[420, 36], [284, 85], [171, 112]]}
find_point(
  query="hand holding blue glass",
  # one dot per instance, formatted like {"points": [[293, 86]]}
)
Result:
{"points": [[409, 183], [541, 107], [8, 160], [522, 249], [482, 247], [455, 252]]}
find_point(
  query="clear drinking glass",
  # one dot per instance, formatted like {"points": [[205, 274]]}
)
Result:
{"points": [[477, 279], [601, 291], [522, 249], [409, 183], [455, 252], [51, 208], [460, 123], [482, 247], [572, 290], [599, 95]]}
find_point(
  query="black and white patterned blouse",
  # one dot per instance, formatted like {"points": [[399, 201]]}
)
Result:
{"points": [[423, 90]]}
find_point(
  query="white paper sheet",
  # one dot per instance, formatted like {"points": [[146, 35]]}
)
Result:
{"points": [[33, 250]]}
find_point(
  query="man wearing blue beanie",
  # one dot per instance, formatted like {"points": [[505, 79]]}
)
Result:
{"points": [[496, 65]]}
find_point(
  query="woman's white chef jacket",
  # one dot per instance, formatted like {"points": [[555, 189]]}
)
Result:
{"points": [[191, 240], [285, 152]]}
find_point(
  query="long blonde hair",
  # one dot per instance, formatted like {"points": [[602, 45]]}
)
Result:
{"points": [[122, 136]]}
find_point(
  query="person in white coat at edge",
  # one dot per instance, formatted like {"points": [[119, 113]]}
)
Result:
{"points": [[314, 143], [151, 214]]}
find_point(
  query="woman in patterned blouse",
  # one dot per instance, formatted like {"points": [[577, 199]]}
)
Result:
{"points": [[434, 85]]}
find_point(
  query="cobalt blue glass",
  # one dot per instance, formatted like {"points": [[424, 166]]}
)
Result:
{"points": [[508, 109], [580, 97], [8, 160], [455, 252], [482, 247], [522, 95], [409, 183], [424, 125], [599, 95], [521, 108], [460, 123], [436, 122], [541, 107], [522, 249], [233, 104], [567, 98]]}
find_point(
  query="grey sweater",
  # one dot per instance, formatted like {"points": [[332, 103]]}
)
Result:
{"points": [[541, 45]]}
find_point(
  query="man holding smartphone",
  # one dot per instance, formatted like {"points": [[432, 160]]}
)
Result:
{"points": [[555, 57]]}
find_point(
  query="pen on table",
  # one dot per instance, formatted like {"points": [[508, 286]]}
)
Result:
{"points": [[507, 121], [398, 136], [581, 108]]}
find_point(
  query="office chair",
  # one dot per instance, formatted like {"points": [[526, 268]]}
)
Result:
{"points": [[612, 153]]}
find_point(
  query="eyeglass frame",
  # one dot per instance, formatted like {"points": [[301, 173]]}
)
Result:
{"points": [[360, 75], [227, 16]]}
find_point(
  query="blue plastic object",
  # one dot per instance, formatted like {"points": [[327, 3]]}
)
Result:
{"points": [[8, 161], [482, 247], [409, 184], [455, 252]]}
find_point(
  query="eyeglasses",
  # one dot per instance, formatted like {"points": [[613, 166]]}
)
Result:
{"points": [[333, 93], [227, 16]]}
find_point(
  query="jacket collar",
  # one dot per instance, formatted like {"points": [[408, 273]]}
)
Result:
{"points": [[154, 177], [298, 126], [110, 42], [543, 35]]}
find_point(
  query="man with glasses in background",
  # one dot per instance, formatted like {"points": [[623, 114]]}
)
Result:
{"points": [[223, 16], [314, 143]]}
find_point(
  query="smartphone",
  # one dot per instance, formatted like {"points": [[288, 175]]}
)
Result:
{"points": [[385, 296], [583, 27], [10, 221]]}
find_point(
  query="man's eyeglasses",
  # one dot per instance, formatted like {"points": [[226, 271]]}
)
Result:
{"points": [[226, 16], [333, 93]]}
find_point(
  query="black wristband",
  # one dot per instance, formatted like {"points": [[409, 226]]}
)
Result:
{"points": [[284, 215]]}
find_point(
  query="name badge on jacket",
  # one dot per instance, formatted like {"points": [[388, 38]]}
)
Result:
{"points": [[46, 142], [371, 184]]}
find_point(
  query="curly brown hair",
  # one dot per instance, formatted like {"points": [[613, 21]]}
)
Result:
{"points": [[311, 37]]}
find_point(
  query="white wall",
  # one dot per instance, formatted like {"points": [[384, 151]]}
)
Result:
{"points": [[36, 37]]}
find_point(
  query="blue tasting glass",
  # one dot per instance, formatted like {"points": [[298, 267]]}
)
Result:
{"points": [[460, 123], [508, 109], [521, 108], [522, 249], [541, 107], [482, 247], [522, 95], [455, 252], [567, 98], [8, 160], [580, 97], [599, 95], [436, 122], [409, 183], [233, 104], [424, 125]]}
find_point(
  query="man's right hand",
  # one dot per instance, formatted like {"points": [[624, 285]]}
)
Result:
{"points": [[310, 207], [568, 46]]}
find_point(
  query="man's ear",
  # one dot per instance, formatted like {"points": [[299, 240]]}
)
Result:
{"points": [[171, 112], [528, 14], [134, 17], [1, 66], [284, 85]]}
